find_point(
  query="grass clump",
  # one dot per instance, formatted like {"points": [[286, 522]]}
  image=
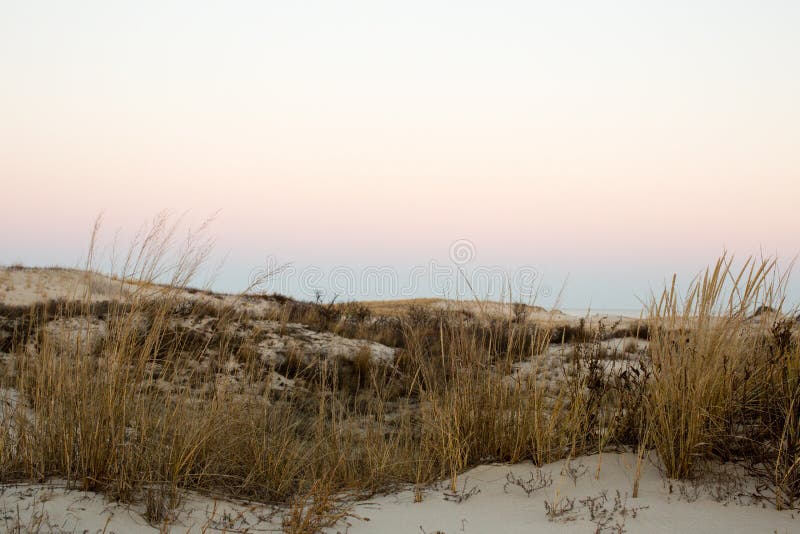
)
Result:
{"points": [[714, 379]]}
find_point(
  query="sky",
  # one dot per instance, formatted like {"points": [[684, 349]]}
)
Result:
{"points": [[587, 149]]}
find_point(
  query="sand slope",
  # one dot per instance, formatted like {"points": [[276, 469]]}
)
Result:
{"points": [[723, 504], [502, 507]]}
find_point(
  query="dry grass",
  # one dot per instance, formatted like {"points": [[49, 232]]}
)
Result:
{"points": [[94, 412], [704, 355], [398, 308]]}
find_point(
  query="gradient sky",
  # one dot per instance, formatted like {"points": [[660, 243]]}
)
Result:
{"points": [[610, 142]]}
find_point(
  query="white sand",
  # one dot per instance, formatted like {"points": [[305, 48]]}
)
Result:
{"points": [[508, 509], [723, 507], [23, 287]]}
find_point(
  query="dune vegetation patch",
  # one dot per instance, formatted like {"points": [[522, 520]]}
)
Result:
{"points": [[302, 404]]}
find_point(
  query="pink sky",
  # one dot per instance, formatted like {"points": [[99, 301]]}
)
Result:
{"points": [[586, 140]]}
